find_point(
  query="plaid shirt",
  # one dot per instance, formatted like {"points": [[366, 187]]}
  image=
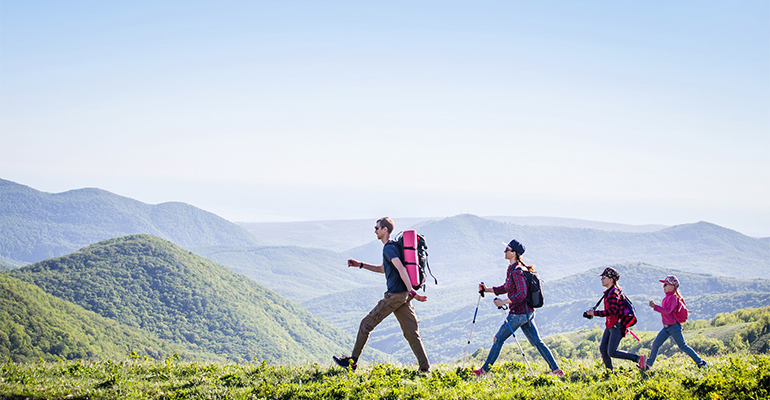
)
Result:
{"points": [[613, 307], [516, 287]]}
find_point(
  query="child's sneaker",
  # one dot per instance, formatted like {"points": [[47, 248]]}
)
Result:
{"points": [[557, 372], [345, 362], [480, 372], [642, 362]]}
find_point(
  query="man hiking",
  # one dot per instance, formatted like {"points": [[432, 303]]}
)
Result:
{"points": [[397, 300]]}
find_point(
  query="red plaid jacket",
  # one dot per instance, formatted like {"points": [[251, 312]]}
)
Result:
{"points": [[613, 307]]}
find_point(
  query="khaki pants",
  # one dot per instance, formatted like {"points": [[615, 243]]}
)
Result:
{"points": [[399, 304]]}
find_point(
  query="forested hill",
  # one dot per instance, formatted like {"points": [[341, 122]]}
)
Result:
{"points": [[38, 225], [35, 324], [150, 283]]}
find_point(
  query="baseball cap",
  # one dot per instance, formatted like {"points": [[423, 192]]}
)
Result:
{"points": [[611, 273], [671, 280], [516, 246]]}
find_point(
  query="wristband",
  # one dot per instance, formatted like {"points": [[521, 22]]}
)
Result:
{"points": [[412, 293], [360, 265]]}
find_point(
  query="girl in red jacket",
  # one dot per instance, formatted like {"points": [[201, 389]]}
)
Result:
{"points": [[613, 310], [671, 326]]}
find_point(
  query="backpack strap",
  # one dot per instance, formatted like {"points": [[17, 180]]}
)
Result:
{"points": [[430, 272], [600, 301]]}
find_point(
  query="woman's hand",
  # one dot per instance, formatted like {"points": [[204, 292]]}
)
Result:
{"points": [[652, 304], [499, 302], [590, 311]]}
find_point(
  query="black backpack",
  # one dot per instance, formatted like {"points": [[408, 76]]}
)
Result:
{"points": [[422, 259], [534, 289]]}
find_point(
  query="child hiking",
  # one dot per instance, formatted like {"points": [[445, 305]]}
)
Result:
{"points": [[614, 331], [396, 301], [520, 314], [669, 308]]}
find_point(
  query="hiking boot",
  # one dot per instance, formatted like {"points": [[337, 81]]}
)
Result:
{"points": [[642, 363], [703, 364], [557, 372], [345, 362], [480, 372], [423, 371]]}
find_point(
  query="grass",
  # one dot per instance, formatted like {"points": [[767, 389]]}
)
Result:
{"points": [[738, 376]]}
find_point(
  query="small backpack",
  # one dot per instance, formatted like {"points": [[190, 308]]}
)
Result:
{"points": [[534, 289], [628, 319], [681, 313], [422, 260]]}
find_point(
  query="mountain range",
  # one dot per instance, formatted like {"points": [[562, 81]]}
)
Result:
{"points": [[38, 225], [306, 262], [466, 247]]}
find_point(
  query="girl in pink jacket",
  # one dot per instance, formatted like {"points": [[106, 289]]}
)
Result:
{"points": [[671, 326]]}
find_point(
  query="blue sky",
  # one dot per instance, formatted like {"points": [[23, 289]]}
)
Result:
{"points": [[630, 112]]}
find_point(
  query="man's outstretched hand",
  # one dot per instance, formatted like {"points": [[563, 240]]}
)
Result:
{"points": [[420, 298], [417, 297]]}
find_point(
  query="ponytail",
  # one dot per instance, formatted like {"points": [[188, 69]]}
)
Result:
{"points": [[530, 268]]}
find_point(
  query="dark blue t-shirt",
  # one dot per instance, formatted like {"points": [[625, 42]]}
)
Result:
{"points": [[395, 283]]}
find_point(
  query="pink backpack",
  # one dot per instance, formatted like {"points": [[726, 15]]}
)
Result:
{"points": [[681, 313]]}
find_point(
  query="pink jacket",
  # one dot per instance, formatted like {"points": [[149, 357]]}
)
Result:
{"points": [[667, 308]]}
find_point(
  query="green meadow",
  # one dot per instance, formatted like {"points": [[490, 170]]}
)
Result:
{"points": [[735, 345], [734, 376]]}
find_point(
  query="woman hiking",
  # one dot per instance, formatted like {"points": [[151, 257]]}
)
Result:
{"points": [[614, 330], [520, 315], [671, 326]]}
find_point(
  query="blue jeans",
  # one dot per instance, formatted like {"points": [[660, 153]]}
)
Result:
{"points": [[527, 325], [609, 347], [675, 331]]}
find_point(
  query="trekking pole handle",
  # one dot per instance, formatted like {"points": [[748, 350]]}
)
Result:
{"points": [[481, 291], [503, 307]]}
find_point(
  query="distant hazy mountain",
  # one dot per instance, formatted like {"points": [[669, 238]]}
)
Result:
{"points": [[342, 235], [466, 248], [293, 272], [37, 225], [151, 284], [336, 235], [35, 324], [577, 223], [446, 317]]}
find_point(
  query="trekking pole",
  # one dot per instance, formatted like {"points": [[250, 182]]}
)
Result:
{"points": [[481, 294], [503, 308]]}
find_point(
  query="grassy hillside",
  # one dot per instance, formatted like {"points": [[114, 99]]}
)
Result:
{"points": [[35, 325], [38, 225], [728, 377], [151, 284]]}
